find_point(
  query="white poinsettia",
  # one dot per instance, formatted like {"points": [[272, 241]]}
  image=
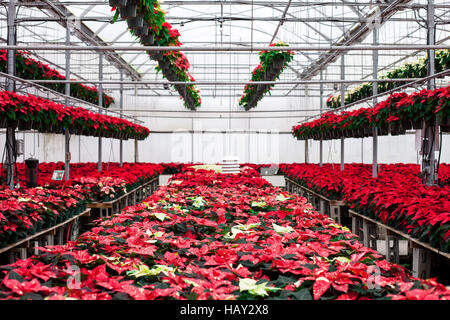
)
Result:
{"points": [[340, 227], [281, 230], [199, 202], [342, 259], [241, 228], [144, 270], [154, 236], [282, 198], [259, 204], [161, 216], [253, 288]]}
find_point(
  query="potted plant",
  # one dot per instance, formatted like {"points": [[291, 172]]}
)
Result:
{"points": [[128, 11], [136, 22], [142, 31], [118, 3], [148, 40]]}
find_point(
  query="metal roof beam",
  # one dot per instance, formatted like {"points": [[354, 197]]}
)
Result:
{"points": [[61, 12]]}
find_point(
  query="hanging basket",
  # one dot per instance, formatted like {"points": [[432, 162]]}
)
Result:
{"points": [[3, 122], [443, 120], [58, 129], [148, 40], [383, 130], [142, 31], [406, 124], [136, 23], [25, 125], [117, 3], [156, 55], [129, 11], [164, 64], [278, 64], [181, 89], [36, 125], [12, 123]]}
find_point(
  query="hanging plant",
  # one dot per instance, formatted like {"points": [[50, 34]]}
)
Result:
{"points": [[395, 115], [31, 69], [173, 65], [272, 64], [408, 70], [45, 114]]}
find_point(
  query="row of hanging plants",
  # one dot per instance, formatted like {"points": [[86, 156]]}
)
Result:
{"points": [[395, 115], [272, 64], [146, 21], [32, 69], [27, 112], [417, 69]]}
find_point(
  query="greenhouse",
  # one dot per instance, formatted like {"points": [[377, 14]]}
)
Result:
{"points": [[225, 150]]}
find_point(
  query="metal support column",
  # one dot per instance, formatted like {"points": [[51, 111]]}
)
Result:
{"points": [[100, 103], [429, 144], [10, 156], [306, 151], [67, 133], [121, 109], [342, 104], [321, 108], [136, 151], [375, 100]]}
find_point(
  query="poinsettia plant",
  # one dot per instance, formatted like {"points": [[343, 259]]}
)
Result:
{"points": [[272, 64], [26, 211], [396, 197], [31, 112], [32, 69], [156, 31], [408, 70], [398, 113]]}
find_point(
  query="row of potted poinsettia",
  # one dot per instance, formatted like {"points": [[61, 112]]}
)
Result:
{"points": [[32, 69], [396, 197], [30, 112], [417, 69], [395, 115], [26, 211], [214, 236], [146, 20], [272, 64], [107, 185]]}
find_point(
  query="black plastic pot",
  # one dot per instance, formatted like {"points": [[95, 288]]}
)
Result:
{"points": [[164, 64], [148, 40], [156, 55], [118, 3], [278, 64], [129, 11], [443, 121], [12, 123], [181, 90], [142, 31], [3, 122], [417, 124], [25, 125], [136, 23]]}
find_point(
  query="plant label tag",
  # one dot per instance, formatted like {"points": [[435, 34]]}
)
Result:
{"points": [[58, 175]]}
